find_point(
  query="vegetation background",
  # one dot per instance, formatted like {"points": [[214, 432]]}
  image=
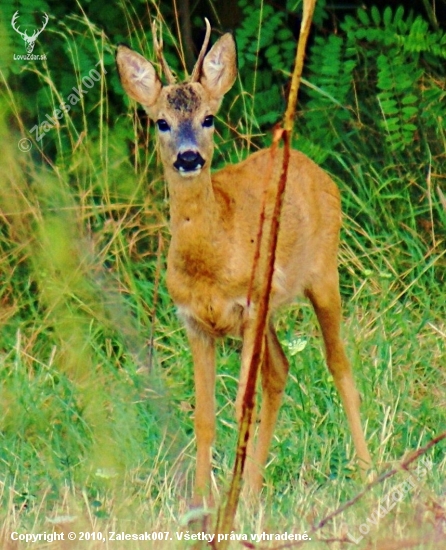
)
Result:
{"points": [[96, 389]]}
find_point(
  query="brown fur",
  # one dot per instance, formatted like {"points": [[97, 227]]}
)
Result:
{"points": [[184, 99]]}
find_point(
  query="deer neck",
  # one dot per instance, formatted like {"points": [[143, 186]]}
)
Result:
{"points": [[193, 208]]}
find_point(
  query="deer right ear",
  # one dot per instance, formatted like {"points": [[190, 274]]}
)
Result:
{"points": [[138, 77]]}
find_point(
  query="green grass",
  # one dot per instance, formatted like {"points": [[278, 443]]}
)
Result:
{"points": [[96, 383]]}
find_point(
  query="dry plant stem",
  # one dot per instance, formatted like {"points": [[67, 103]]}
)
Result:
{"points": [[402, 466], [227, 512], [155, 298], [308, 10]]}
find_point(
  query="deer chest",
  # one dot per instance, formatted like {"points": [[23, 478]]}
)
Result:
{"points": [[203, 302]]}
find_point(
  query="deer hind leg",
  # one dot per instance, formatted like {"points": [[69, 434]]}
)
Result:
{"points": [[274, 371], [247, 350], [275, 368], [203, 353], [326, 300]]}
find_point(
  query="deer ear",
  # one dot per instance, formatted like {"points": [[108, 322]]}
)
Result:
{"points": [[220, 68], [138, 77]]}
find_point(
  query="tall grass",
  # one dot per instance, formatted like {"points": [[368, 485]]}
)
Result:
{"points": [[95, 373]]}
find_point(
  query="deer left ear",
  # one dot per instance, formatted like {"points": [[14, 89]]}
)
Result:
{"points": [[220, 68]]}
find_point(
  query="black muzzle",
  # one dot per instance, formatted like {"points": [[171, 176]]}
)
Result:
{"points": [[189, 161]]}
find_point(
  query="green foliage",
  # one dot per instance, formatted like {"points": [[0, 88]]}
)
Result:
{"points": [[401, 47], [397, 80], [266, 48], [332, 65], [375, 71], [74, 46]]}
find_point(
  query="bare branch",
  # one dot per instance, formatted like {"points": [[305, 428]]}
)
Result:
{"points": [[403, 465]]}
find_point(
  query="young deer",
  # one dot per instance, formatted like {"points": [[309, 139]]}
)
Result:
{"points": [[214, 226]]}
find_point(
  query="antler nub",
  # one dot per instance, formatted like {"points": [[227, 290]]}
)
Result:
{"points": [[159, 54], [196, 73]]}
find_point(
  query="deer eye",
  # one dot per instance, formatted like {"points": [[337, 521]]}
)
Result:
{"points": [[208, 121], [162, 125]]}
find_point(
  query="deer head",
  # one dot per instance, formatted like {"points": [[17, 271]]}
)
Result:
{"points": [[184, 112], [29, 40]]}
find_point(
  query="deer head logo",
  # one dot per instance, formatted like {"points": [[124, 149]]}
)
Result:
{"points": [[29, 40]]}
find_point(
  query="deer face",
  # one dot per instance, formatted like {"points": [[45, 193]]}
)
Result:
{"points": [[184, 113], [185, 122]]}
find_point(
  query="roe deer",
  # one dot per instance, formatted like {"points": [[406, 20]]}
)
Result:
{"points": [[214, 225]]}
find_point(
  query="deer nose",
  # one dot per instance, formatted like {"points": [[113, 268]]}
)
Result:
{"points": [[189, 161]]}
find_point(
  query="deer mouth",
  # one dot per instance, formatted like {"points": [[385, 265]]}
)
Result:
{"points": [[189, 163], [189, 173]]}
